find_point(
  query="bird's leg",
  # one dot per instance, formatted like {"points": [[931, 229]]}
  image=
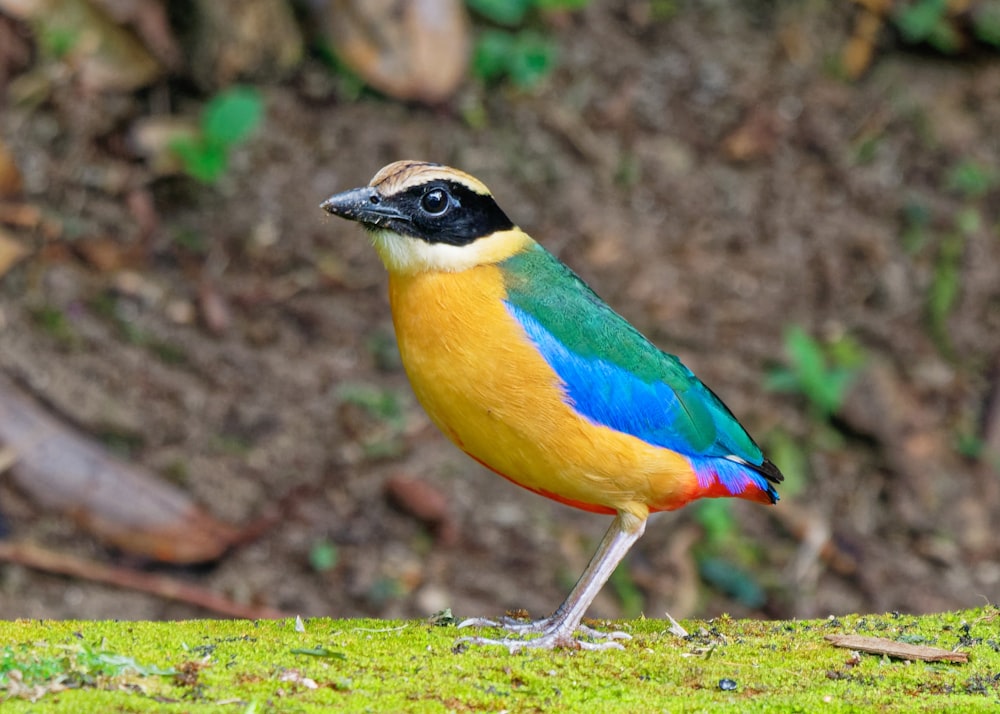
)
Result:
{"points": [[558, 629]]}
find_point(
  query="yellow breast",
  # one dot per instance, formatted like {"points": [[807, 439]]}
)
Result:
{"points": [[486, 387]]}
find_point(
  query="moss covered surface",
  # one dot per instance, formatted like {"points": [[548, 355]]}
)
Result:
{"points": [[374, 665]]}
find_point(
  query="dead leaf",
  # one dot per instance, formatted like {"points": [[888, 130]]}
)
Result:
{"points": [[22, 9], [105, 254], [897, 650], [755, 138], [213, 307], [15, 50], [143, 209], [7, 458], [423, 501], [153, 138], [416, 50], [149, 20], [20, 215], [859, 50], [104, 55], [11, 252], [10, 176], [244, 39]]}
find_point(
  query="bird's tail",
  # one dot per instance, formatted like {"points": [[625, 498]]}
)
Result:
{"points": [[735, 477]]}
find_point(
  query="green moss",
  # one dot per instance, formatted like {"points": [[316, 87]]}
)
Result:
{"points": [[371, 665]]}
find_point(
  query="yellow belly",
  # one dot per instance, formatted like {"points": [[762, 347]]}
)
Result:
{"points": [[484, 385]]}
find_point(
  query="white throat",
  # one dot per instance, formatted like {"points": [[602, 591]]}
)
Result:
{"points": [[404, 254]]}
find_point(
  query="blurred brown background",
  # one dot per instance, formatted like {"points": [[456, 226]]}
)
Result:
{"points": [[802, 200]]}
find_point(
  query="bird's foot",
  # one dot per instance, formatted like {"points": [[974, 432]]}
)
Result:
{"points": [[511, 624], [553, 633]]}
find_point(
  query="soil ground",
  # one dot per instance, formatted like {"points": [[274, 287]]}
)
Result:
{"points": [[623, 164]]}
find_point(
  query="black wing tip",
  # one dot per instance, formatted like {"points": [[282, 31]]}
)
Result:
{"points": [[768, 470], [772, 474]]}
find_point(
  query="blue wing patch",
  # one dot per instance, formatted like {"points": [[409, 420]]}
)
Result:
{"points": [[612, 396], [692, 422]]}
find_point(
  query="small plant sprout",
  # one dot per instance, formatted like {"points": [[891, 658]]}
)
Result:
{"points": [[821, 373], [227, 120], [517, 53]]}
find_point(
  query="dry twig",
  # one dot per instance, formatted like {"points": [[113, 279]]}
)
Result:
{"points": [[49, 561], [898, 650]]}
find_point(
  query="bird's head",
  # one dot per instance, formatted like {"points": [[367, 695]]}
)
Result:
{"points": [[429, 217]]}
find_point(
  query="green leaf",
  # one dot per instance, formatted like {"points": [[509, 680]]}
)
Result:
{"points": [[382, 404], [945, 38], [945, 287], [57, 41], [918, 22], [846, 352], [809, 363], [503, 12], [31, 667], [968, 221], [532, 59], [986, 22], [781, 379], [553, 5], [323, 556], [810, 370], [968, 443], [525, 57], [489, 60], [203, 160], [971, 179], [231, 116], [837, 382], [111, 664]]}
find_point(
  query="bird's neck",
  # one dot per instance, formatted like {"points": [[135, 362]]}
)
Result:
{"points": [[405, 255]]}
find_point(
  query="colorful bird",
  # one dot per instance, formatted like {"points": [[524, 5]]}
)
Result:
{"points": [[531, 374]]}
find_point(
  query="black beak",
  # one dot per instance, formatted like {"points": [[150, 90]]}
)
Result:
{"points": [[364, 205]]}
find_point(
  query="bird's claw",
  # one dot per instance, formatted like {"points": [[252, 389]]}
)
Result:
{"points": [[598, 635], [510, 624], [548, 641], [479, 622], [553, 634]]}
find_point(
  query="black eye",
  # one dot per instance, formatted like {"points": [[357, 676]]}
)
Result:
{"points": [[435, 202]]}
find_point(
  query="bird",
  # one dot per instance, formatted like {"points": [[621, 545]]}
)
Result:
{"points": [[525, 369]]}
